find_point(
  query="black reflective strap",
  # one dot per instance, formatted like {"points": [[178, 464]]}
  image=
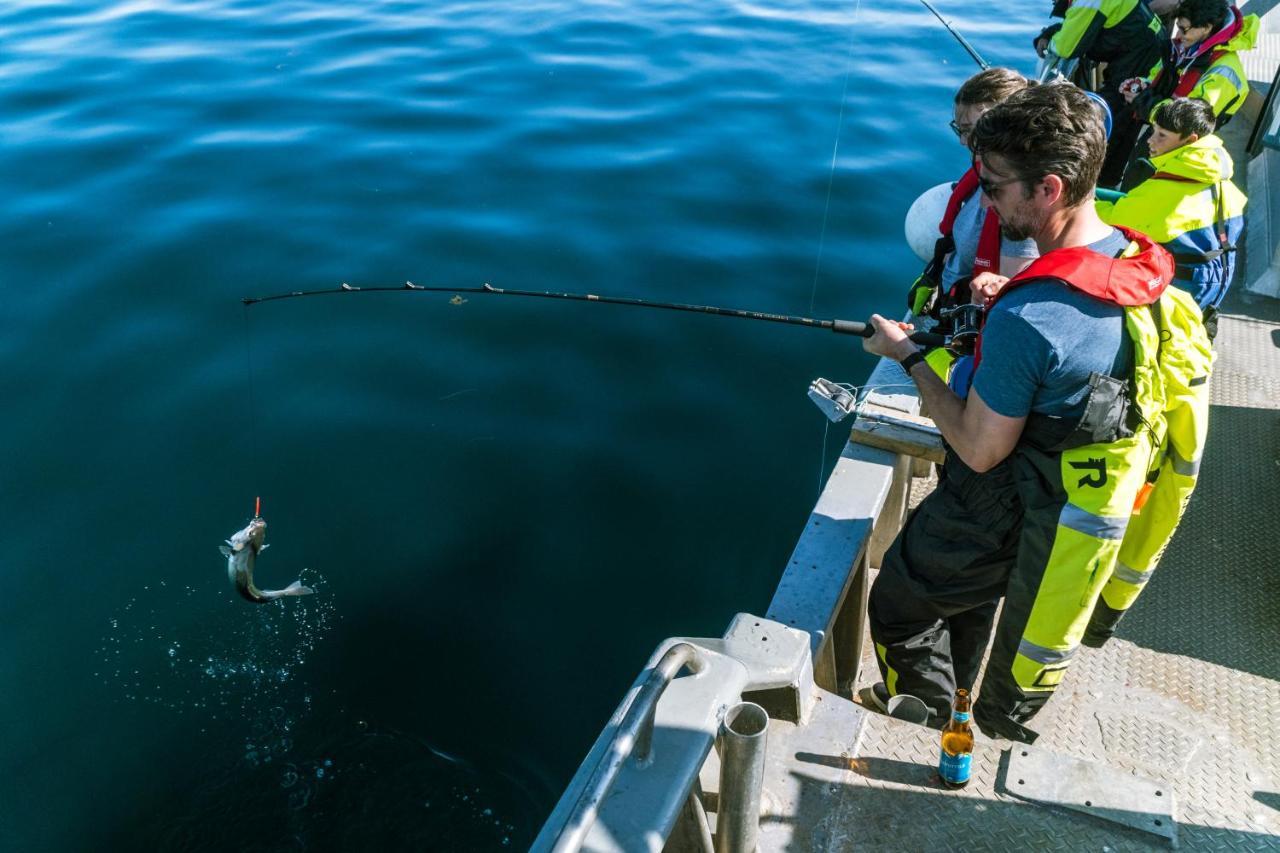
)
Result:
{"points": [[945, 245], [1220, 218]]}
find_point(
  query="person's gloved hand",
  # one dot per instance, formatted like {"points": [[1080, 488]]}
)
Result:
{"points": [[922, 295], [1041, 42]]}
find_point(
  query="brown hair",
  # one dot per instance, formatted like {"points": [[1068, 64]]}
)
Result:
{"points": [[1045, 130], [990, 87]]}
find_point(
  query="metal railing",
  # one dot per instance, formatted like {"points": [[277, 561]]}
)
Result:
{"points": [[634, 737], [818, 611]]}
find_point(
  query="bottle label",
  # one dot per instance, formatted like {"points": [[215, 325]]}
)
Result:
{"points": [[960, 716], [955, 769]]}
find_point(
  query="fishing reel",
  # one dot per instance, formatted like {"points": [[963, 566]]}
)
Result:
{"points": [[966, 323]]}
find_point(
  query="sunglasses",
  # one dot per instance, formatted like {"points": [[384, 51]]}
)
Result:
{"points": [[990, 188]]}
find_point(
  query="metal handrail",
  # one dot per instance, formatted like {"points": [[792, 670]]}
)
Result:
{"points": [[633, 737]]}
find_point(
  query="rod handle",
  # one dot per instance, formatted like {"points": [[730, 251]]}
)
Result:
{"points": [[865, 330]]}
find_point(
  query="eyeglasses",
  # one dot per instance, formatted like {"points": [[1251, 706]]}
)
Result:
{"points": [[990, 188], [960, 131]]}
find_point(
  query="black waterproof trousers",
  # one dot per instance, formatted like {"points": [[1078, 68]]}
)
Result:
{"points": [[934, 600], [933, 603]]}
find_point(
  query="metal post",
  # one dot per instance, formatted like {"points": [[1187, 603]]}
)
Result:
{"points": [[742, 751]]}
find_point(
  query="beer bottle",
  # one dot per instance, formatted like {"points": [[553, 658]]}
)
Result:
{"points": [[957, 744]]}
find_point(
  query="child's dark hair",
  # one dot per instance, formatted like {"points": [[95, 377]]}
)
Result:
{"points": [[1185, 116], [1201, 13]]}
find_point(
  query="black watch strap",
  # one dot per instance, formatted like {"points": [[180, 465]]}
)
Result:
{"points": [[911, 361]]}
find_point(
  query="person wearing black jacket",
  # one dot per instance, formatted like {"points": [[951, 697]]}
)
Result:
{"points": [[1126, 36]]}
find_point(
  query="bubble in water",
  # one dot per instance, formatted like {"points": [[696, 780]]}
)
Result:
{"points": [[299, 798], [289, 778], [247, 663]]}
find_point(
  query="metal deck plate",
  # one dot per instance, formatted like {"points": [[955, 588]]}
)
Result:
{"points": [[1052, 779]]}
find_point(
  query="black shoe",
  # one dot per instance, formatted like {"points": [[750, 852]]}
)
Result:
{"points": [[875, 697]]}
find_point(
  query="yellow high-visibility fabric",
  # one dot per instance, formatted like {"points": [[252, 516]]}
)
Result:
{"points": [[1101, 482], [1101, 546], [1164, 209], [1224, 84], [1186, 363], [1079, 17]]}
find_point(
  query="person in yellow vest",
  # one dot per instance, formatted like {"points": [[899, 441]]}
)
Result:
{"points": [[1205, 60], [1190, 206], [1204, 63], [1082, 355]]}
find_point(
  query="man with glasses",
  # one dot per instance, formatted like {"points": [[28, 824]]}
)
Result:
{"points": [[1044, 464], [970, 243]]}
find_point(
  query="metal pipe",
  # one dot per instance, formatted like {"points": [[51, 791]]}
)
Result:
{"points": [[634, 735], [742, 750]]}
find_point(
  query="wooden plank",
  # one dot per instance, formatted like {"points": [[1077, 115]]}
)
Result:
{"points": [[899, 432]]}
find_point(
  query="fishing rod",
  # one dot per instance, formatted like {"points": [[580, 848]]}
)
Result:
{"points": [[843, 327], [977, 57]]}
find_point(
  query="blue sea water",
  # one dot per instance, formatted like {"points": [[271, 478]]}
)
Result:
{"points": [[503, 504]]}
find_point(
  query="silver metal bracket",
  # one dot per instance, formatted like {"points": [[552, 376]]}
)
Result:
{"points": [[1053, 779], [836, 401]]}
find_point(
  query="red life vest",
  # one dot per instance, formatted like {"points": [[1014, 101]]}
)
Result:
{"points": [[987, 256], [1131, 281]]}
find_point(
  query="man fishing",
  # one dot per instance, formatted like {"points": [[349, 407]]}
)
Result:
{"points": [[1044, 465]]}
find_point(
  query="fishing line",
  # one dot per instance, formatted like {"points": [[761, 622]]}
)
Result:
{"points": [[255, 450], [861, 394], [835, 151], [826, 209]]}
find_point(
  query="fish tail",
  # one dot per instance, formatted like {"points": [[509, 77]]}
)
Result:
{"points": [[296, 588]]}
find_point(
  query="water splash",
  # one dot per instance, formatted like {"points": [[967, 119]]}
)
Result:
{"points": [[240, 663]]}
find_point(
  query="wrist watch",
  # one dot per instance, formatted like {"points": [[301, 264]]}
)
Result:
{"points": [[916, 357]]}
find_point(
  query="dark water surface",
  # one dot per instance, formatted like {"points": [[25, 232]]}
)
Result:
{"points": [[503, 504]]}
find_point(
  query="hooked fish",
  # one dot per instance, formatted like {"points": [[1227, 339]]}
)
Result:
{"points": [[242, 551]]}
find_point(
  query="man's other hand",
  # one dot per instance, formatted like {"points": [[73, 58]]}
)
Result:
{"points": [[890, 339], [985, 286]]}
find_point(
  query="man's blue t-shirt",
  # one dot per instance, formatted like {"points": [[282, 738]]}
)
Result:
{"points": [[1043, 339]]}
